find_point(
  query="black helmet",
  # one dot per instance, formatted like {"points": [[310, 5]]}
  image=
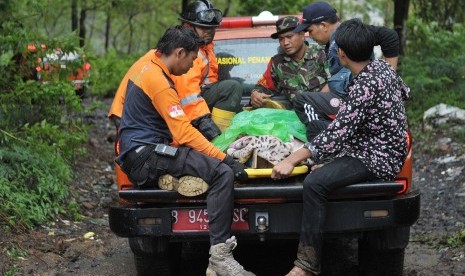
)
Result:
{"points": [[202, 13]]}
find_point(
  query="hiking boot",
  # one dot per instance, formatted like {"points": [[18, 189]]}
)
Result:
{"points": [[297, 271], [222, 262], [186, 185]]}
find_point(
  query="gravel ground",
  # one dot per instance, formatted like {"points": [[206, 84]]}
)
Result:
{"points": [[62, 249]]}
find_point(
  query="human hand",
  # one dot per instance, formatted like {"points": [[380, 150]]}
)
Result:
{"points": [[238, 168], [256, 98], [325, 88], [206, 126], [282, 170]]}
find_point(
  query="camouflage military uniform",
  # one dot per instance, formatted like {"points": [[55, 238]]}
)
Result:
{"points": [[284, 76]]}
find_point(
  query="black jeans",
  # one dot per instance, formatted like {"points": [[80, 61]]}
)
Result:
{"points": [[318, 185], [216, 174]]}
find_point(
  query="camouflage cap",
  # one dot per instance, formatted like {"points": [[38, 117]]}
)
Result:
{"points": [[285, 24]]}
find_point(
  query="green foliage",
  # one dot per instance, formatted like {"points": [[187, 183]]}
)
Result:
{"points": [[66, 139], [40, 128], [32, 102], [15, 252], [252, 7], [457, 240], [444, 12], [433, 67], [345, 9], [33, 183], [12, 271], [108, 71], [36, 156]]}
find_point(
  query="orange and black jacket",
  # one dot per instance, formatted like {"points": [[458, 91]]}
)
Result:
{"points": [[116, 108], [152, 113], [204, 71]]}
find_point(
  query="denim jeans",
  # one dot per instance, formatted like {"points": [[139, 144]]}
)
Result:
{"points": [[340, 172]]}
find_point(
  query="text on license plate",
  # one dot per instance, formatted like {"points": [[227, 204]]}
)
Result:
{"points": [[189, 220]]}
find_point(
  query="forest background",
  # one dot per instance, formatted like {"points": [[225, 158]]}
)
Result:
{"points": [[42, 126]]}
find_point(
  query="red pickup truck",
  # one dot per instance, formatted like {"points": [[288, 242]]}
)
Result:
{"points": [[158, 222]]}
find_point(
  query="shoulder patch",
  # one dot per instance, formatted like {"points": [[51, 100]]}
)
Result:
{"points": [[175, 111], [335, 102]]}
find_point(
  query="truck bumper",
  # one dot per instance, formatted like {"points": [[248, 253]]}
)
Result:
{"points": [[283, 219]]}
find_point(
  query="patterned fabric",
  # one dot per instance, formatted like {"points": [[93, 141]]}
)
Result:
{"points": [[284, 76], [285, 24], [268, 147], [371, 125]]}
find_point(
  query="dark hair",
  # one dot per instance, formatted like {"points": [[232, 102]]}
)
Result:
{"points": [[355, 39], [178, 37]]}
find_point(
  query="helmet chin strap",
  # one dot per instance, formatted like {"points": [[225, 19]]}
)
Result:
{"points": [[195, 29]]}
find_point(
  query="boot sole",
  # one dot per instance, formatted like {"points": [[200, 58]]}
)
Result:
{"points": [[211, 272], [192, 186], [187, 185], [168, 182]]}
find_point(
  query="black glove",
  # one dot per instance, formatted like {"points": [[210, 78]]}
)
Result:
{"points": [[207, 127], [237, 167]]}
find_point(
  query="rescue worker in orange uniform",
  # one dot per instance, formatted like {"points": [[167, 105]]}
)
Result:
{"points": [[203, 97], [201, 81], [153, 120], [203, 123]]}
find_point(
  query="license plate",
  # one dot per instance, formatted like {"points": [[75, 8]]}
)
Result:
{"points": [[196, 220]]}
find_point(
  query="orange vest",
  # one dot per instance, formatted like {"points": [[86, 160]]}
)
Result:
{"points": [[204, 71]]}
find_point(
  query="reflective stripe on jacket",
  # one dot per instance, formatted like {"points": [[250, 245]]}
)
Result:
{"points": [[189, 86], [152, 112]]}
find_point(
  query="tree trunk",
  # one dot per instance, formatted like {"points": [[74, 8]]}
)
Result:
{"points": [[74, 15], [228, 6], [387, 13], [184, 5], [131, 34], [400, 21], [82, 26], [107, 31]]}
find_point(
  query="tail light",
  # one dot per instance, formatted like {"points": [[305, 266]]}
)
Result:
{"points": [[405, 185], [405, 175], [122, 180]]}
